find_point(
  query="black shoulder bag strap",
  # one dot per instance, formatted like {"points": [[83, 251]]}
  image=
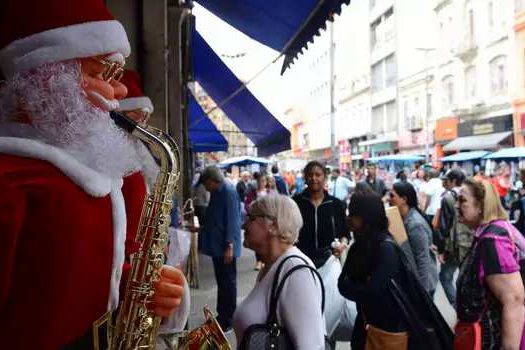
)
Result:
{"points": [[278, 286]]}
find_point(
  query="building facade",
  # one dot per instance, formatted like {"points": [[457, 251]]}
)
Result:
{"points": [[474, 72]]}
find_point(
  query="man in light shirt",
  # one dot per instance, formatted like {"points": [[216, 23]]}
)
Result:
{"points": [[340, 186]]}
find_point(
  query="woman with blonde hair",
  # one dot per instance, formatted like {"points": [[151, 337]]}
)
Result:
{"points": [[490, 293], [271, 229]]}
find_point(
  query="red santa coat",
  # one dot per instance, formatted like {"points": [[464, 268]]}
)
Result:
{"points": [[62, 232]]}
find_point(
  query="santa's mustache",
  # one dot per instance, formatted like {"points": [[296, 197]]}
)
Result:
{"points": [[107, 105]]}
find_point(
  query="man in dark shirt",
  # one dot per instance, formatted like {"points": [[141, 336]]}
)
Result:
{"points": [[244, 187], [371, 182]]}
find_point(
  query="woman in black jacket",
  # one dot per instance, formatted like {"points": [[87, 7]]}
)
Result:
{"points": [[373, 260], [323, 217]]}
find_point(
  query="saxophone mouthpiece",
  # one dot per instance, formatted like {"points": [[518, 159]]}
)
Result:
{"points": [[123, 121]]}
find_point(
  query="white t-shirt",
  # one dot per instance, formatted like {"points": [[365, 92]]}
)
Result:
{"points": [[298, 308], [340, 186], [433, 189]]}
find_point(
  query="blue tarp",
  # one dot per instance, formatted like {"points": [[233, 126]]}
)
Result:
{"points": [[465, 156], [515, 152], [241, 107], [203, 135], [284, 25], [243, 161], [396, 158]]}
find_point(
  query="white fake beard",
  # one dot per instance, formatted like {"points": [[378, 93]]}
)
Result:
{"points": [[61, 115]]}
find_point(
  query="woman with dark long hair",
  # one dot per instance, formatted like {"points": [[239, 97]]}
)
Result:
{"points": [[419, 231], [372, 262]]}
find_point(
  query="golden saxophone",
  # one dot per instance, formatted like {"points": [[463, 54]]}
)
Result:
{"points": [[137, 327]]}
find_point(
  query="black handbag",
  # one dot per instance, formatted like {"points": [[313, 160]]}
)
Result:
{"points": [[271, 335], [427, 327]]}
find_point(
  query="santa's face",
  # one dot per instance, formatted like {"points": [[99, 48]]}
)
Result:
{"points": [[50, 104], [100, 80]]}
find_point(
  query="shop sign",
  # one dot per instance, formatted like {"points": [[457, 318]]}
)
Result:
{"points": [[485, 126], [481, 129], [446, 129]]}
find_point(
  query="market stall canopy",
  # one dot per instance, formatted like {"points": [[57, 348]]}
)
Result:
{"points": [[203, 134], [477, 142], [284, 25], [396, 158], [515, 152], [464, 156], [241, 107], [243, 161]]}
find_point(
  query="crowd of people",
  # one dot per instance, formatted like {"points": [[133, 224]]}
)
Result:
{"points": [[70, 212], [454, 224]]}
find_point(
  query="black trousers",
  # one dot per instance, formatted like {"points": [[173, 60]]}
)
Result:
{"points": [[226, 277]]}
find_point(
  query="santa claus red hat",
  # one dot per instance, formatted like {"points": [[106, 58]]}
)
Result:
{"points": [[135, 98], [36, 32]]}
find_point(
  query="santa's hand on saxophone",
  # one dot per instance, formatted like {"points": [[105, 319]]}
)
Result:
{"points": [[72, 183]]}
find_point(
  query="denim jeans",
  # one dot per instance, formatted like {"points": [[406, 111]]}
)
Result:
{"points": [[446, 276], [226, 277]]}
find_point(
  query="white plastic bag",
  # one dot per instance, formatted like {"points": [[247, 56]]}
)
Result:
{"points": [[179, 248], [339, 312]]}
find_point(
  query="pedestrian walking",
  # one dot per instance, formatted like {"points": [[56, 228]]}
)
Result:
{"points": [[260, 191], [280, 184], [221, 240], [271, 229], [340, 186], [403, 195], [370, 265], [457, 236], [323, 217], [490, 295], [372, 182]]}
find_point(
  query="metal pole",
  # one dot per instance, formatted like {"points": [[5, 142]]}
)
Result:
{"points": [[427, 153], [332, 103]]}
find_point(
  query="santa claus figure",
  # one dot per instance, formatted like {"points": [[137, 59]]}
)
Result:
{"points": [[70, 181]]}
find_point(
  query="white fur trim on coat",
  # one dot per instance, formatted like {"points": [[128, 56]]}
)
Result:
{"points": [[119, 240], [134, 103], [60, 44], [91, 181]]}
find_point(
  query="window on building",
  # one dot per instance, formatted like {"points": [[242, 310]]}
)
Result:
{"points": [[391, 116], [470, 82], [491, 14], [519, 5], [377, 76], [429, 105], [417, 111], [389, 25], [447, 88], [498, 75], [375, 35], [406, 114], [377, 120], [471, 33], [391, 70]]}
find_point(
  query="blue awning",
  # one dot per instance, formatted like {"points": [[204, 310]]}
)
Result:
{"points": [[514, 152], [241, 107], [243, 161], [203, 135], [465, 156], [284, 25], [396, 158]]}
